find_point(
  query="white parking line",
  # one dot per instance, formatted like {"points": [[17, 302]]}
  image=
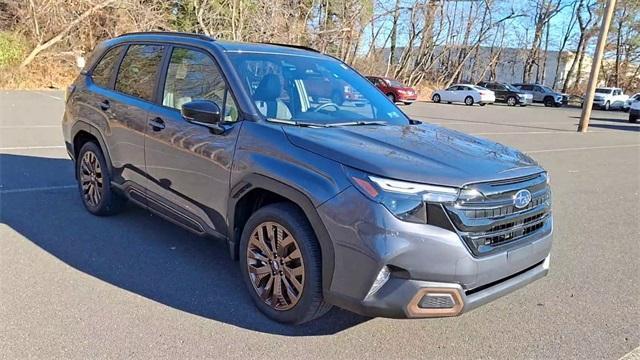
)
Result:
{"points": [[44, 188], [29, 126], [32, 147], [583, 148], [48, 95]]}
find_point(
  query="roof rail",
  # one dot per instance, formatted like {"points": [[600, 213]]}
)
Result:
{"points": [[301, 47], [171, 33]]}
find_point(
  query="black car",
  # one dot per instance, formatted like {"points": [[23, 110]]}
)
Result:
{"points": [[507, 93]]}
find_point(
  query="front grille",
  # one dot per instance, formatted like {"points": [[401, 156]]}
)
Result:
{"points": [[491, 220]]}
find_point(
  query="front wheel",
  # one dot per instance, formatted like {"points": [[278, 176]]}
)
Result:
{"points": [[391, 98], [94, 182], [468, 101], [549, 102], [512, 101], [607, 106], [281, 264], [633, 119]]}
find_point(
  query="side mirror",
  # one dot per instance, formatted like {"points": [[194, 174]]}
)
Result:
{"points": [[203, 112]]}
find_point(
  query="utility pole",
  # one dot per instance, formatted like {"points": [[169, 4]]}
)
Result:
{"points": [[595, 66]]}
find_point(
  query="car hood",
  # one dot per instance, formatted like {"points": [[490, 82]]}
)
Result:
{"points": [[419, 153]]}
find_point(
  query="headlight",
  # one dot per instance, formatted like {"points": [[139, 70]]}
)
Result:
{"points": [[406, 200]]}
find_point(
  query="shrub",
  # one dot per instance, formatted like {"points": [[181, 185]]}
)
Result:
{"points": [[11, 49]]}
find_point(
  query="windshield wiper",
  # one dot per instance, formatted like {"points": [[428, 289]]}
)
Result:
{"points": [[358, 123], [312, 124]]}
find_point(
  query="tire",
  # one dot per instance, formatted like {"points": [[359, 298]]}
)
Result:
{"points": [[468, 101], [607, 106], [512, 101], [482, 104], [309, 303], [633, 119], [407, 103], [391, 97], [549, 102], [94, 182], [435, 98]]}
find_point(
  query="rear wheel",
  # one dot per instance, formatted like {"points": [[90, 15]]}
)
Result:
{"points": [[607, 106], [407, 103], [281, 264], [468, 101], [512, 101], [633, 119], [94, 182], [435, 98]]}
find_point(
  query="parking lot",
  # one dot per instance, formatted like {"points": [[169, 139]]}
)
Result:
{"points": [[77, 286]]}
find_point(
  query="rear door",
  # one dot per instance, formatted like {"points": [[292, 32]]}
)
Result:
{"points": [[123, 103], [188, 165]]}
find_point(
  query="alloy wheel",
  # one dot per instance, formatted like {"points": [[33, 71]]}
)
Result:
{"points": [[511, 101], [275, 266], [91, 179]]}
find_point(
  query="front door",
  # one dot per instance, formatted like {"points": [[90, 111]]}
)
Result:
{"points": [[188, 165]]}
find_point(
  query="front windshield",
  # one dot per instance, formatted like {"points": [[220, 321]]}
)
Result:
{"points": [[312, 89]]}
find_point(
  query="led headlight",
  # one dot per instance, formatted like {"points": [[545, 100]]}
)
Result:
{"points": [[406, 200]]}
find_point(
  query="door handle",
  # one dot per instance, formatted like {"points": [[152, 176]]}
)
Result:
{"points": [[105, 105], [156, 124]]}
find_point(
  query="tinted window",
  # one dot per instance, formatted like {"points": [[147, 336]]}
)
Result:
{"points": [[193, 75], [137, 73], [101, 74], [526, 87]]}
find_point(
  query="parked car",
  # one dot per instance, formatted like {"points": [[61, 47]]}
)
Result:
{"points": [[508, 94], [543, 94], [634, 111], [464, 93], [607, 98], [394, 89], [323, 204], [632, 98]]}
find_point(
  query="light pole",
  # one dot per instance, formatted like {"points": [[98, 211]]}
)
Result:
{"points": [[595, 67]]}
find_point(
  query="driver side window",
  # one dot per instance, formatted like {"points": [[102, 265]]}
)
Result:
{"points": [[192, 75]]}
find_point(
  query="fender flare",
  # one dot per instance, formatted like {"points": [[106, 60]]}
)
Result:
{"points": [[257, 181], [82, 125]]}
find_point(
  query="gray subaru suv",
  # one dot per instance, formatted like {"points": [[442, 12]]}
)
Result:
{"points": [[351, 204]]}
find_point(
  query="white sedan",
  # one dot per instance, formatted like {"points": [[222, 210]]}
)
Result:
{"points": [[465, 93]]}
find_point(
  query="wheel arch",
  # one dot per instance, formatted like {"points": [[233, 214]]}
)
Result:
{"points": [[256, 191], [83, 132]]}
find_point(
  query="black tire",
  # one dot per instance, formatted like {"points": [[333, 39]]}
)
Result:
{"points": [[468, 101], [482, 104], [633, 119], [311, 304], [110, 201], [512, 101], [549, 102], [407, 103], [391, 97], [435, 98]]}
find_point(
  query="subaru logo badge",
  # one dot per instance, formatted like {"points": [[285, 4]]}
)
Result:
{"points": [[522, 199]]}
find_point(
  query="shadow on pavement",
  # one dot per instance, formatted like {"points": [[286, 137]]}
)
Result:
{"points": [[141, 253]]}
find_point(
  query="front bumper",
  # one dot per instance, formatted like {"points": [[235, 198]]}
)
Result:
{"points": [[423, 259], [407, 97]]}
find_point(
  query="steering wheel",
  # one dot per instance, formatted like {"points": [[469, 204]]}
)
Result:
{"points": [[326, 105]]}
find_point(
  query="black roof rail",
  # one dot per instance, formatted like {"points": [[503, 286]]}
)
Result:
{"points": [[171, 33], [301, 47]]}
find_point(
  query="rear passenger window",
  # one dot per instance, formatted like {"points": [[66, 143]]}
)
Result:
{"points": [[137, 74], [192, 75], [101, 74]]}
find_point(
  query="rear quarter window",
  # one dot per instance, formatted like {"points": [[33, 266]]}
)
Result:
{"points": [[101, 74]]}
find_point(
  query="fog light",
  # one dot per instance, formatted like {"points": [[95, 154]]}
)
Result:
{"points": [[381, 279]]}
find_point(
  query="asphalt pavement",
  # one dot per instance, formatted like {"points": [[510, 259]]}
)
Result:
{"points": [[135, 286]]}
